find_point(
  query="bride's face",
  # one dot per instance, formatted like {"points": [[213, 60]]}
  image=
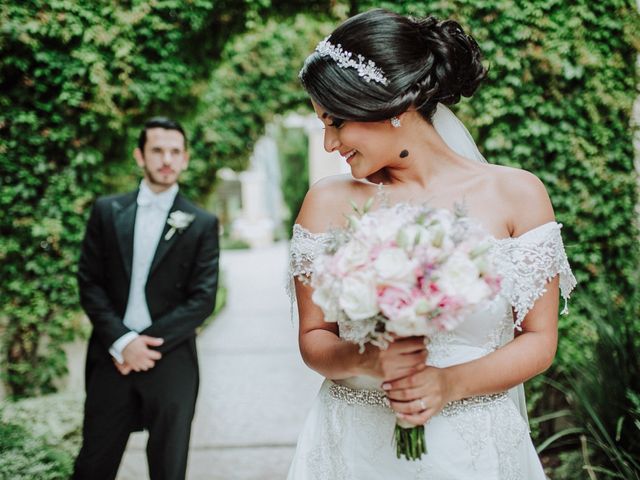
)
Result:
{"points": [[363, 145]]}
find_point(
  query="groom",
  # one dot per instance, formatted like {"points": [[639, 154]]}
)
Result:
{"points": [[147, 274]]}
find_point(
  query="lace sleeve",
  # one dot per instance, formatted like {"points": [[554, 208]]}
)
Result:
{"points": [[527, 263], [303, 249]]}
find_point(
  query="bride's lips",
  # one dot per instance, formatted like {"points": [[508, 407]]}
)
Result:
{"points": [[349, 155]]}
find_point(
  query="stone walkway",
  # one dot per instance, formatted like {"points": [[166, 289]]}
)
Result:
{"points": [[255, 390]]}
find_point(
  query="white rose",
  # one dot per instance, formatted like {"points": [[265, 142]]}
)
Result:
{"points": [[459, 277], [324, 296], [393, 265], [358, 296], [381, 225], [179, 219], [350, 257], [408, 323]]}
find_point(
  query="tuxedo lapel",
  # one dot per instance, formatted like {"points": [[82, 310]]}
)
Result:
{"points": [[165, 245], [124, 219]]}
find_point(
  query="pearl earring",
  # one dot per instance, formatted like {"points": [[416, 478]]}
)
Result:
{"points": [[395, 122]]}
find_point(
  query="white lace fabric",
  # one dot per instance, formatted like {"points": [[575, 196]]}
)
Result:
{"points": [[528, 262], [305, 246]]}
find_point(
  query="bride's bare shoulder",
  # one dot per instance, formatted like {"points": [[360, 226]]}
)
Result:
{"points": [[328, 201], [526, 196]]}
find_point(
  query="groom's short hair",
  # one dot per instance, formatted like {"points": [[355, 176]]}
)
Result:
{"points": [[160, 122]]}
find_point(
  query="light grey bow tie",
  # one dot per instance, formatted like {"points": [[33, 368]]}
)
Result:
{"points": [[146, 199]]}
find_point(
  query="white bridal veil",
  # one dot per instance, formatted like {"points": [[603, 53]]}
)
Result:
{"points": [[455, 134]]}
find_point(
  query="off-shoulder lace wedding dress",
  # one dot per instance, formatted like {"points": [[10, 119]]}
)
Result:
{"points": [[348, 433]]}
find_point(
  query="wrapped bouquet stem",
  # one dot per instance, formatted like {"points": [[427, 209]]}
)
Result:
{"points": [[402, 271], [409, 440]]}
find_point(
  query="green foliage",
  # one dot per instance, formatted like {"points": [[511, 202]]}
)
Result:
{"points": [[605, 395], [256, 81], [570, 466], [23, 457], [77, 79], [39, 438], [293, 147]]}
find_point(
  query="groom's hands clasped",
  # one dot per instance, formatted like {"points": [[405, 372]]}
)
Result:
{"points": [[138, 356]]}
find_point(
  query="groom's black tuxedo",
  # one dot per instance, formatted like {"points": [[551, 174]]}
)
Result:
{"points": [[180, 294]]}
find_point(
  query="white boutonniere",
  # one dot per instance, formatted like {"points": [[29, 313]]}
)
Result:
{"points": [[178, 221]]}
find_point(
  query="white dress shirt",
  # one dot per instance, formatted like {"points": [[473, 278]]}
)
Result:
{"points": [[151, 216]]}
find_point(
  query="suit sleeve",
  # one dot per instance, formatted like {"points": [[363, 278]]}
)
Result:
{"points": [[180, 323], [94, 299]]}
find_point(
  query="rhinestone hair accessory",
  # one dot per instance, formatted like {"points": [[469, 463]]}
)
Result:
{"points": [[366, 68]]}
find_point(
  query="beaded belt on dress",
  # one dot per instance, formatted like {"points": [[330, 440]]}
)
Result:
{"points": [[362, 397]]}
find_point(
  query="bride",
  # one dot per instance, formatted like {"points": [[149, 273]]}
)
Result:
{"points": [[380, 83]]}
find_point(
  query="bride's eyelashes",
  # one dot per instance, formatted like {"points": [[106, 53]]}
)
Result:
{"points": [[404, 153], [337, 122]]}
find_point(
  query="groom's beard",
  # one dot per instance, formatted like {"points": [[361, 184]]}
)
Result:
{"points": [[163, 177]]}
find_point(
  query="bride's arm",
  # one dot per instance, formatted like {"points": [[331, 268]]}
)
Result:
{"points": [[529, 354], [322, 349]]}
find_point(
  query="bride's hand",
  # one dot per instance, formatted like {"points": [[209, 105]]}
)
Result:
{"points": [[418, 397], [403, 357]]}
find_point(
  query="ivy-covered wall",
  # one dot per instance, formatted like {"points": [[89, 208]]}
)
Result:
{"points": [[255, 82]]}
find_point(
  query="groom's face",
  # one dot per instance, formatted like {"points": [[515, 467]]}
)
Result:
{"points": [[163, 159]]}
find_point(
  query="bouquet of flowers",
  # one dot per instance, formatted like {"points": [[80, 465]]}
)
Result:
{"points": [[400, 271]]}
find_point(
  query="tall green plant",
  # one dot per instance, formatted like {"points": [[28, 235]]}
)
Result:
{"points": [[605, 394]]}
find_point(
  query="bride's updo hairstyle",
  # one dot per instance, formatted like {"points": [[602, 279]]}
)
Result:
{"points": [[416, 63]]}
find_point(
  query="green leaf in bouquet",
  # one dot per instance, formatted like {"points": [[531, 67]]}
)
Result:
{"points": [[352, 221], [355, 207], [403, 240], [368, 205], [438, 237]]}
